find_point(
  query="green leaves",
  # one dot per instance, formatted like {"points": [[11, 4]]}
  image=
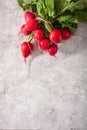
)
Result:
{"points": [[85, 3], [66, 15], [41, 9], [69, 20], [24, 5], [30, 37], [82, 15], [48, 27], [61, 13], [71, 5], [72, 27], [50, 7], [75, 5], [20, 2]]}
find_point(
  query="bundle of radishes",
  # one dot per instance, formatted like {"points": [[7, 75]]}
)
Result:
{"points": [[46, 41], [49, 22]]}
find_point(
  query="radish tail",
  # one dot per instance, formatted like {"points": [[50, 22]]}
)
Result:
{"points": [[55, 56], [25, 60]]}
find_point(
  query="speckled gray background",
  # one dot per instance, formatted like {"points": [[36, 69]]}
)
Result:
{"points": [[48, 93]]}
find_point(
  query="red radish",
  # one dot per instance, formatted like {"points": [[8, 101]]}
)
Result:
{"points": [[44, 44], [38, 35], [55, 36], [25, 30], [28, 16], [32, 25], [26, 49], [53, 50], [66, 34]]}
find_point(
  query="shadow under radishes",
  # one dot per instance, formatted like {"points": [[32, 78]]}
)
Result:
{"points": [[36, 53], [73, 46]]}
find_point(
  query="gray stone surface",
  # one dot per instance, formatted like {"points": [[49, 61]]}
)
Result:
{"points": [[48, 93]]}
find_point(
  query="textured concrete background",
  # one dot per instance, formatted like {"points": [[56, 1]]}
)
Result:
{"points": [[48, 93]]}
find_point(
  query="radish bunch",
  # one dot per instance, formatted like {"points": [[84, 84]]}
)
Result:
{"points": [[46, 38]]}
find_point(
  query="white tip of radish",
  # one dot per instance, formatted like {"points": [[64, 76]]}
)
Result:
{"points": [[25, 60]]}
